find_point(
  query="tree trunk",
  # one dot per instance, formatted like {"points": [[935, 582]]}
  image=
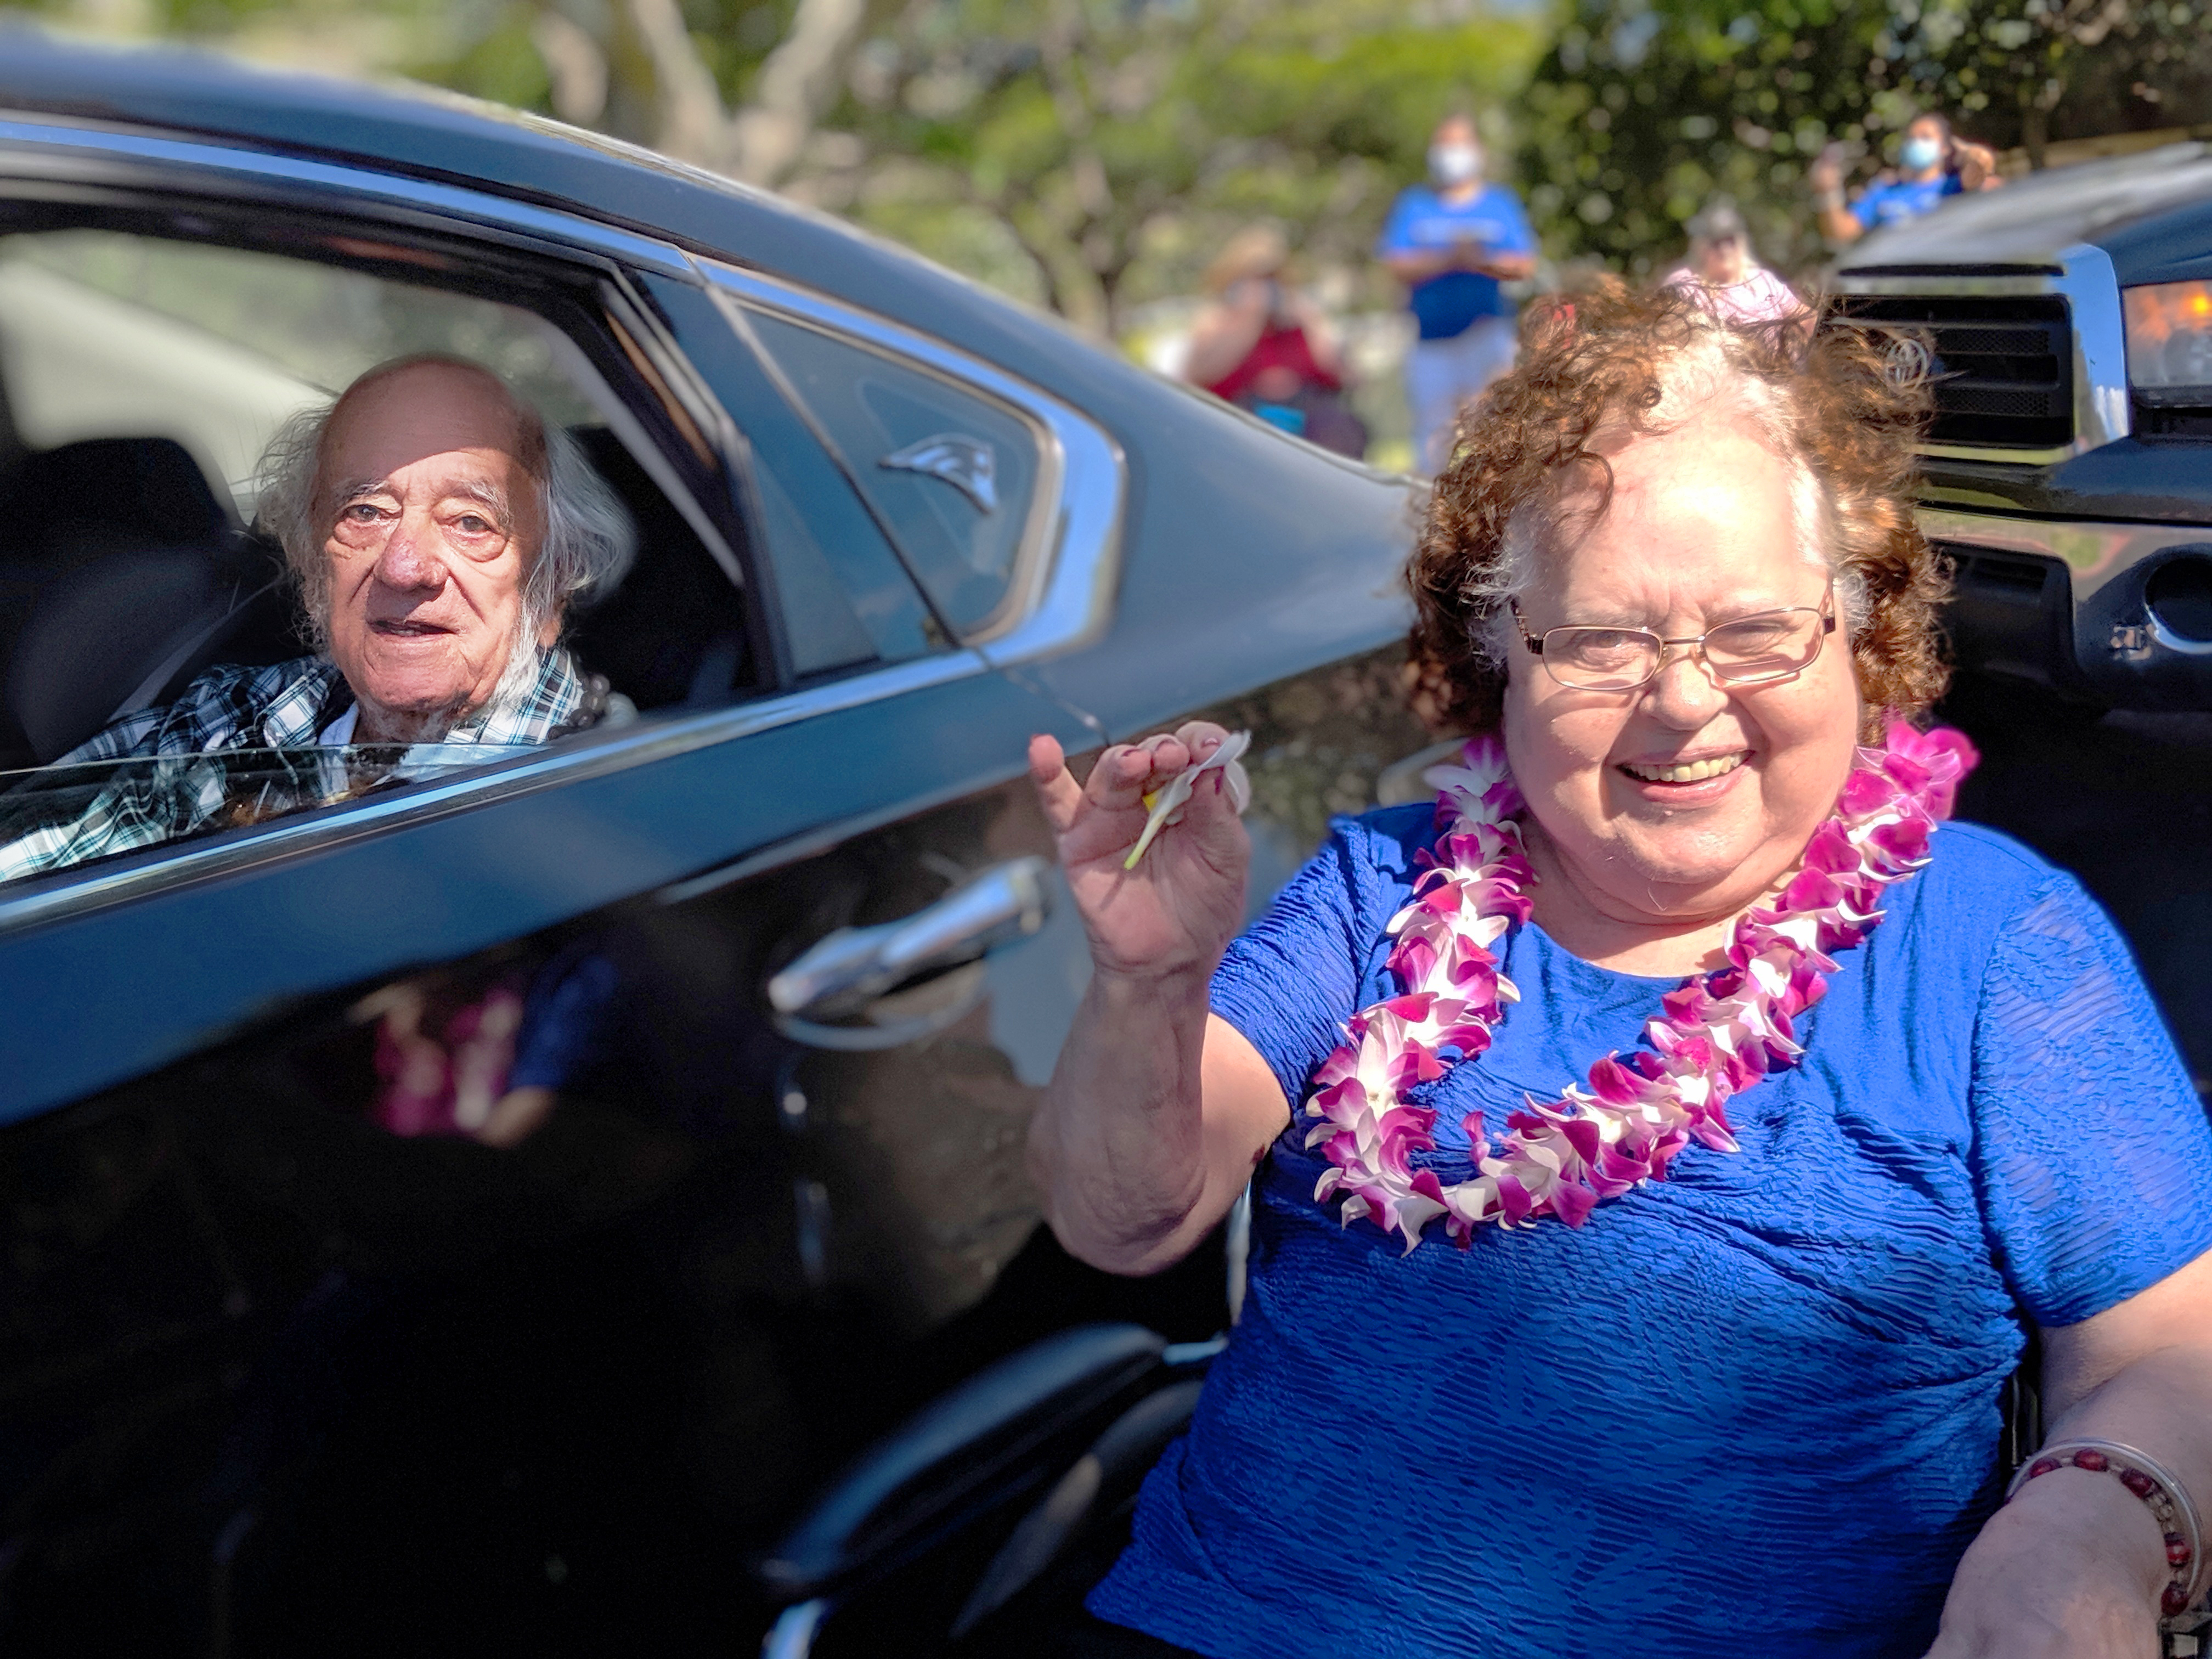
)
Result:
{"points": [[692, 128], [2034, 131], [797, 83]]}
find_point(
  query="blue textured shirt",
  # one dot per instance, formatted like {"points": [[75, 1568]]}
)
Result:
{"points": [[1753, 1408]]}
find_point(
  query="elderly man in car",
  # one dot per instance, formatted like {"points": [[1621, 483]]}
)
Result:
{"points": [[440, 531]]}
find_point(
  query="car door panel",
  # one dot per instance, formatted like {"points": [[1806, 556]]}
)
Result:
{"points": [[109, 989]]}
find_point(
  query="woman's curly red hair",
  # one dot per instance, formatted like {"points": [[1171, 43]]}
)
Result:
{"points": [[1843, 406]]}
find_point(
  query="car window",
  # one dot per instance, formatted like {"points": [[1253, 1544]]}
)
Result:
{"points": [[53, 818], [159, 676], [842, 589], [91, 345], [952, 472]]}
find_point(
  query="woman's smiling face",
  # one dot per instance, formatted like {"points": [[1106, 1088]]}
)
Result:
{"points": [[1687, 799]]}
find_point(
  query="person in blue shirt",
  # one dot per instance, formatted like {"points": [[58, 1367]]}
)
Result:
{"points": [[1754, 1408], [1452, 242], [1934, 164]]}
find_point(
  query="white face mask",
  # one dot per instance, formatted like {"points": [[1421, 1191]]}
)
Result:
{"points": [[1921, 154], [1454, 164]]}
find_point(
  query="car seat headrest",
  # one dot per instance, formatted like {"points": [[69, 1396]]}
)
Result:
{"points": [[95, 633], [103, 493]]}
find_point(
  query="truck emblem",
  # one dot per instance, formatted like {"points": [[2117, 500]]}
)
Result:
{"points": [[966, 463]]}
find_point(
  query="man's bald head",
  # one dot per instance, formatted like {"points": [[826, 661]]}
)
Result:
{"points": [[470, 458]]}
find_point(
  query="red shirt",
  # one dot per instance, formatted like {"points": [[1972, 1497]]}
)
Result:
{"points": [[1277, 348]]}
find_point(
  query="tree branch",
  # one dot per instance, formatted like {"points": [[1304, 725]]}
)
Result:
{"points": [[795, 85]]}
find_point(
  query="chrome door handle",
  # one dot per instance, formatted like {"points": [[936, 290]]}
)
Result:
{"points": [[844, 970]]}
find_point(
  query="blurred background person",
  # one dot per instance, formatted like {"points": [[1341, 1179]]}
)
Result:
{"points": [[1262, 345], [1452, 242], [1934, 164], [1723, 274]]}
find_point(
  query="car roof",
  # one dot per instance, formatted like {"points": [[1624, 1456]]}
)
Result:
{"points": [[2030, 220]]}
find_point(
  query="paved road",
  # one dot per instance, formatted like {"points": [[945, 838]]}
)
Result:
{"points": [[2125, 802]]}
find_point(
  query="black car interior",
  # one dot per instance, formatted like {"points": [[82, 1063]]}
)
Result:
{"points": [[123, 578], [126, 571]]}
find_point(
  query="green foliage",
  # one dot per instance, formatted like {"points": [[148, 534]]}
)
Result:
{"points": [[1637, 116], [2027, 71], [1644, 109], [1120, 144]]}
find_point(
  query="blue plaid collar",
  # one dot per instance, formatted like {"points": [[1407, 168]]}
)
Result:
{"points": [[304, 695]]}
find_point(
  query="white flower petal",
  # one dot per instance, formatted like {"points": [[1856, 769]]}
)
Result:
{"points": [[1168, 804]]}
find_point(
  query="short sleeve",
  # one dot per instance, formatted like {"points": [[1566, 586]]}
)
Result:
{"points": [[2091, 1148], [1868, 208], [1518, 238], [1396, 237], [1292, 979]]}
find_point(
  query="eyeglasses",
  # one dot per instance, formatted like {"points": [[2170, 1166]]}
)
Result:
{"points": [[1754, 650]]}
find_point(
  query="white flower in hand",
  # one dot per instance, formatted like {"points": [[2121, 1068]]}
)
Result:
{"points": [[1167, 803]]}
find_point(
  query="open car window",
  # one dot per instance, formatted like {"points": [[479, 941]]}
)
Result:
{"points": [[145, 367], [64, 817]]}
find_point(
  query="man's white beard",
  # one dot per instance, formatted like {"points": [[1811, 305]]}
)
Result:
{"points": [[524, 658]]}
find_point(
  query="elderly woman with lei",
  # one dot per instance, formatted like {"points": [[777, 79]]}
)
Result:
{"points": [[1666, 1146]]}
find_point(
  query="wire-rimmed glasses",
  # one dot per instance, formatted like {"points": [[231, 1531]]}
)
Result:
{"points": [[1754, 650]]}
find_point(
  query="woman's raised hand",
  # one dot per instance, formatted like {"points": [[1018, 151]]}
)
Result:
{"points": [[1177, 910]]}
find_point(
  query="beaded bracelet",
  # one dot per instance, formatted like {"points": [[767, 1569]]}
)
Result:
{"points": [[2142, 1476]]}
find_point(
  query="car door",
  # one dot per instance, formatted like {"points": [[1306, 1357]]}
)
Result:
{"points": [[280, 1362]]}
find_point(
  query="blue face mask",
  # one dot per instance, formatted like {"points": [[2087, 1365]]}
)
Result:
{"points": [[1921, 153]]}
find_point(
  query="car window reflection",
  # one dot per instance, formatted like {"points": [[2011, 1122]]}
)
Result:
{"points": [[56, 818]]}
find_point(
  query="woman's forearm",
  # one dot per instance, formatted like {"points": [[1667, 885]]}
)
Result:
{"points": [[2160, 1403], [1119, 1144], [2076, 1554]]}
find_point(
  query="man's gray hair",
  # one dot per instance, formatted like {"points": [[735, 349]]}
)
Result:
{"points": [[589, 541]]}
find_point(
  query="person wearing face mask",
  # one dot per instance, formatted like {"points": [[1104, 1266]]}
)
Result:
{"points": [[1452, 242], [1933, 164]]}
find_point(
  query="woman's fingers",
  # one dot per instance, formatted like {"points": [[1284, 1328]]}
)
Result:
{"points": [[1058, 792], [1200, 737], [1124, 774]]}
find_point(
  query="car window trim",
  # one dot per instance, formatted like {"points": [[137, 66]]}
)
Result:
{"points": [[1029, 551], [1070, 602], [406, 200], [630, 432], [66, 895], [1073, 602]]}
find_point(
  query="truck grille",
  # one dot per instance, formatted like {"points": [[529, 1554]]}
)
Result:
{"points": [[2004, 366]]}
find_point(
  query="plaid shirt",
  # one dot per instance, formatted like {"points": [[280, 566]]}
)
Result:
{"points": [[265, 721]]}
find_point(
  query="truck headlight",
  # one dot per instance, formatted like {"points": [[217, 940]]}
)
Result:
{"points": [[2170, 339]]}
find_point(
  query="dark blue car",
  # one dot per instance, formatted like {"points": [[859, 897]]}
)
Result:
{"points": [[296, 1356]]}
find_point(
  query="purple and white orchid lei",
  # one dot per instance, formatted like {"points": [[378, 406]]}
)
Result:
{"points": [[1720, 1033]]}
